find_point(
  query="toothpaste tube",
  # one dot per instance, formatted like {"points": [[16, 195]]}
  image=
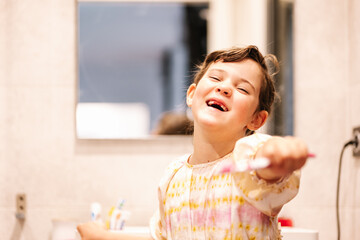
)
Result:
{"points": [[96, 212]]}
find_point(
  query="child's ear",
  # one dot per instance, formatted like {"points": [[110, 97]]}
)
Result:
{"points": [[258, 120], [189, 94]]}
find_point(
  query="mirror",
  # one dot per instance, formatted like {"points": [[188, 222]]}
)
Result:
{"points": [[135, 62]]}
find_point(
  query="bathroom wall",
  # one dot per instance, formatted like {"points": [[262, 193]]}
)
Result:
{"points": [[39, 153], [61, 176], [327, 107]]}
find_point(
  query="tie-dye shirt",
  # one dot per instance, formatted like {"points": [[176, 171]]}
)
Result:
{"points": [[201, 202]]}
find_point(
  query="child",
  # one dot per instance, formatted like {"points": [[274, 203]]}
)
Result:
{"points": [[199, 197]]}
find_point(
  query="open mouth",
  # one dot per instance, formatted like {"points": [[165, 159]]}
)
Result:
{"points": [[217, 105]]}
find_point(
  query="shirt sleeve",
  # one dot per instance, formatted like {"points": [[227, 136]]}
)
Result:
{"points": [[156, 229], [269, 198], [158, 222]]}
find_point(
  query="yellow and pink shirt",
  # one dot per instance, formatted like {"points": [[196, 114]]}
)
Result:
{"points": [[201, 202]]}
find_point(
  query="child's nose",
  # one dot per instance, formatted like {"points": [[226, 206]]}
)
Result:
{"points": [[223, 89]]}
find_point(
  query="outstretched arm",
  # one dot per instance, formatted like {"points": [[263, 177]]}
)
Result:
{"points": [[286, 154], [96, 231]]}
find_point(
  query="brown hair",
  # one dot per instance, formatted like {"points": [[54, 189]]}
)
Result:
{"points": [[267, 92], [172, 123]]}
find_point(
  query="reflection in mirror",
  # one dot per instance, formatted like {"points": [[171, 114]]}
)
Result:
{"points": [[135, 62], [172, 123]]}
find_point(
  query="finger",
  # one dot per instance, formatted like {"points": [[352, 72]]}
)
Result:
{"points": [[79, 229]]}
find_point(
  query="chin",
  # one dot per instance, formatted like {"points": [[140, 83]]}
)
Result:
{"points": [[210, 122]]}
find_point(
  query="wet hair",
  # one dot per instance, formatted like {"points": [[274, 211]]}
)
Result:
{"points": [[267, 91]]}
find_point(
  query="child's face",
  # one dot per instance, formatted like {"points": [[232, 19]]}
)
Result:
{"points": [[227, 96]]}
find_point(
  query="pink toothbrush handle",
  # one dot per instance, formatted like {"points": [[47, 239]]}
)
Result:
{"points": [[311, 155]]}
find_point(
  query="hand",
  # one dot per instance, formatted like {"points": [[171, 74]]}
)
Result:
{"points": [[286, 154], [92, 231]]}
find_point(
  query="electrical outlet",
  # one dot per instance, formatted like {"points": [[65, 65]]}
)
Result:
{"points": [[20, 206], [356, 134]]}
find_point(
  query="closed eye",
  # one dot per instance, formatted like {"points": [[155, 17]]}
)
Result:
{"points": [[243, 90], [215, 78]]}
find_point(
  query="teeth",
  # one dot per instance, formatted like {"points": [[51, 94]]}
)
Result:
{"points": [[210, 103]]}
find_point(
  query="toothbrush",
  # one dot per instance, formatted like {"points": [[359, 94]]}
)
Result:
{"points": [[311, 155], [249, 165], [245, 165], [120, 203], [117, 216]]}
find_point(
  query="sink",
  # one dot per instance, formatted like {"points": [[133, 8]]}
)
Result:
{"points": [[289, 233], [144, 231]]}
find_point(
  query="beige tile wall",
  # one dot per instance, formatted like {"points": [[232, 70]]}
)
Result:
{"points": [[39, 153], [327, 106]]}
